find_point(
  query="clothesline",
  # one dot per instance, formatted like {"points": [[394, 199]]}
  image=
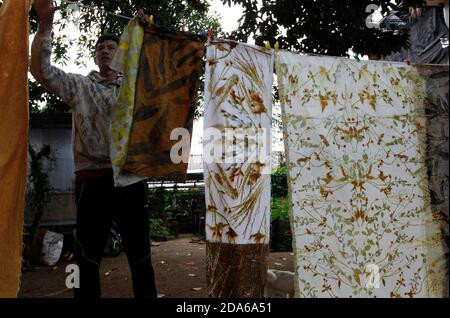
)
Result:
{"points": [[228, 41], [255, 47], [343, 57], [129, 18], [224, 40], [212, 42]]}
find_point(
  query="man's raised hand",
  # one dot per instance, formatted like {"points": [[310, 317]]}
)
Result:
{"points": [[45, 10]]}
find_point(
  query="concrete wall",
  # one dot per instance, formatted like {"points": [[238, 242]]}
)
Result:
{"points": [[61, 210]]}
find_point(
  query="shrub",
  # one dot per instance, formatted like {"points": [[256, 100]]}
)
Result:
{"points": [[280, 208], [158, 230], [279, 183]]}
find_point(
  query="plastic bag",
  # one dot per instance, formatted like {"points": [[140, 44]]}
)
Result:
{"points": [[51, 248]]}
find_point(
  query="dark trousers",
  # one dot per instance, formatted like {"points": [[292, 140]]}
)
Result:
{"points": [[98, 203]]}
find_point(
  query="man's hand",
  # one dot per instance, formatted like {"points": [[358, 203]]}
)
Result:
{"points": [[142, 17], [46, 11]]}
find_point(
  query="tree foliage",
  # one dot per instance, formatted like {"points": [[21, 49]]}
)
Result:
{"points": [[279, 182], [327, 27], [93, 19], [39, 96], [192, 15]]}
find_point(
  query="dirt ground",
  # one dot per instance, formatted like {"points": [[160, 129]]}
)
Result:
{"points": [[179, 270]]}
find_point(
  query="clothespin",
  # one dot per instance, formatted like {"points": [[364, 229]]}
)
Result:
{"points": [[277, 47], [203, 34], [268, 45], [211, 35], [408, 61], [150, 20], [356, 56]]}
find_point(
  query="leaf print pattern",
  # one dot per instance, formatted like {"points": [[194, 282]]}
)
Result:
{"points": [[125, 60], [170, 66], [437, 129], [238, 96], [357, 178]]}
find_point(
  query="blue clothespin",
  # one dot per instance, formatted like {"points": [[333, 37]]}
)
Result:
{"points": [[203, 33]]}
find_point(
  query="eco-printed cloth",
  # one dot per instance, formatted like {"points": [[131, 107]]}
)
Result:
{"points": [[166, 93], [237, 122], [14, 31], [437, 129], [358, 186], [126, 61]]}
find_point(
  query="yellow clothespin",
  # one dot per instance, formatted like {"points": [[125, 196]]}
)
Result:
{"points": [[268, 45], [277, 47], [150, 20]]}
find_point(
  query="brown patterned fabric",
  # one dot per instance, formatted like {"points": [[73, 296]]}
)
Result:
{"points": [[166, 92], [14, 31]]}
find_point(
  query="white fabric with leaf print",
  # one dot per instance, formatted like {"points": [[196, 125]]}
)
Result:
{"points": [[360, 206], [238, 96]]}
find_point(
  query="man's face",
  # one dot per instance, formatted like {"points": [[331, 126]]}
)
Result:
{"points": [[105, 53]]}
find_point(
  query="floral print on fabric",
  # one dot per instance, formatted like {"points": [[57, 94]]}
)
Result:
{"points": [[238, 87], [360, 206]]}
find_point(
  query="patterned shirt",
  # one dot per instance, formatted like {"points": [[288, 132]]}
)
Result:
{"points": [[91, 99]]}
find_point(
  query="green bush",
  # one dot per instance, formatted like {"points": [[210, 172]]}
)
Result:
{"points": [[279, 183], [157, 202], [280, 203], [280, 208], [160, 201], [158, 230]]}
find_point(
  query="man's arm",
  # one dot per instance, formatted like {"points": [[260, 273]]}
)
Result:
{"points": [[64, 85]]}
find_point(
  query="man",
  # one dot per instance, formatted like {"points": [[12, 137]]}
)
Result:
{"points": [[98, 201]]}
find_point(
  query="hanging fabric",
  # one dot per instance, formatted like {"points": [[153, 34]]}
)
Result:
{"points": [[14, 32], [437, 131], [166, 92], [126, 61], [360, 206], [236, 141]]}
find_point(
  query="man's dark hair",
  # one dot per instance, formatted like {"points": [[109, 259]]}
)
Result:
{"points": [[106, 37]]}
